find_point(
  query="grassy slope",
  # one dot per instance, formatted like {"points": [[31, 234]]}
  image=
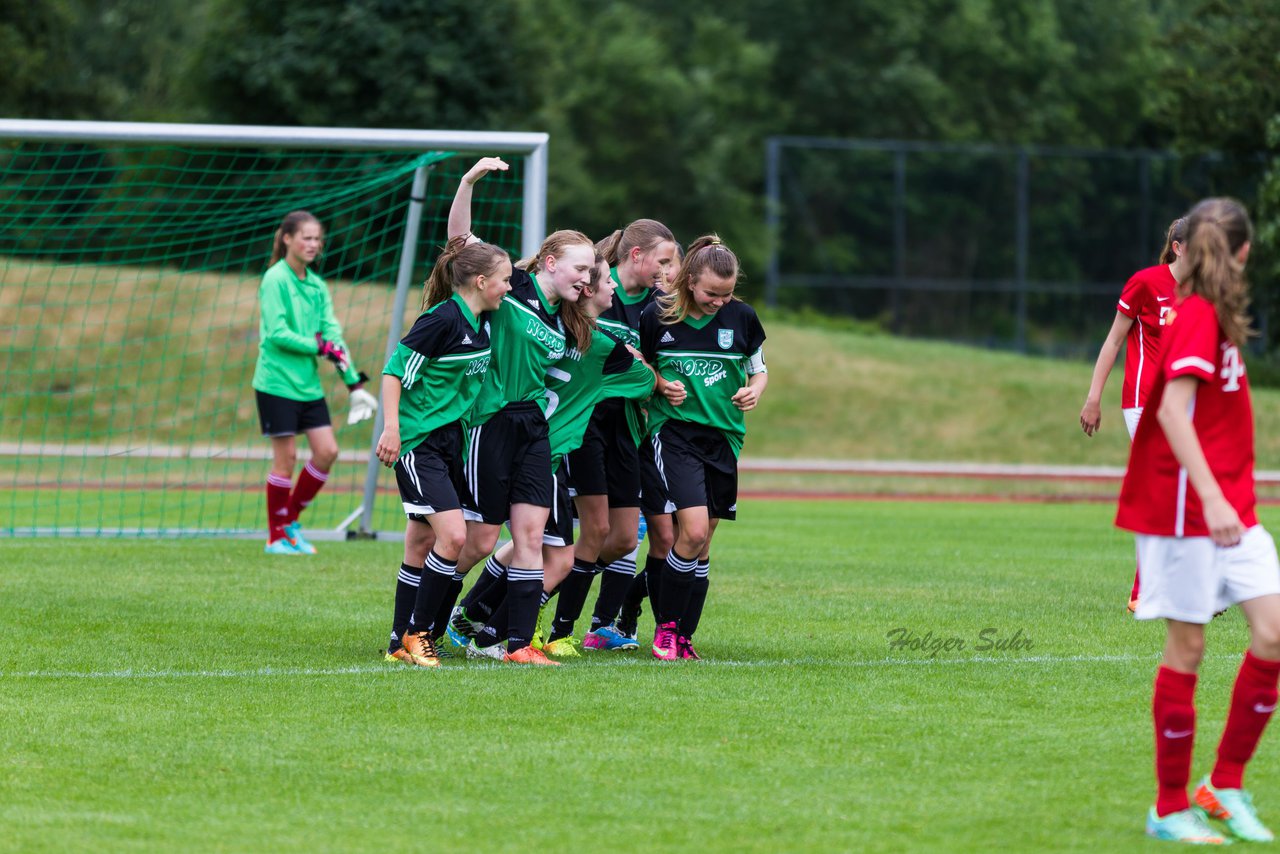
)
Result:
{"points": [[172, 355], [269, 725]]}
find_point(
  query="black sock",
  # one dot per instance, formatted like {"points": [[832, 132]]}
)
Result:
{"points": [[436, 578], [406, 594], [654, 567], [573, 595], [524, 588], [450, 598], [629, 615], [697, 599], [493, 632], [615, 581], [478, 602], [677, 584]]}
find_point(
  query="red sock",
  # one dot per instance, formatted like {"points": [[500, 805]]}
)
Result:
{"points": [[1253, 699], [1133, 594], [1174, 711], [309, 483], [277, 506]]}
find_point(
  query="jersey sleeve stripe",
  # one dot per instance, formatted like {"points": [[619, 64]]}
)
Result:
{"points": [[1192, 362], [1124, 304]]}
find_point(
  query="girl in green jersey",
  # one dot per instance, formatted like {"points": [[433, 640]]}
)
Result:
{"points": [[298, 325]]}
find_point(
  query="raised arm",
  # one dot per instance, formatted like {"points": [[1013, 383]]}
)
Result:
{"points": [[460, 210]]}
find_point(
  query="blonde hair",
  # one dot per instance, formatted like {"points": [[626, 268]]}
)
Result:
{"points": [[458, 265], [289, 226], [705, 253], [576, 322], [643, 233], [555, 245], [1216, 229], [575, 318]]}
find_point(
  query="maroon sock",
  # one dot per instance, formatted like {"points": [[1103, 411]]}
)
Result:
{"points": [[309, 483], [1253, 699], [1133, 594], [1174, 711], [277, 506]]}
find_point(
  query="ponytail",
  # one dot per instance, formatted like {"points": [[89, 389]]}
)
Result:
{"points": [[643, 233], [1177, 233], [458, 266], [705, 253], [1217, 228], [288, 227]]}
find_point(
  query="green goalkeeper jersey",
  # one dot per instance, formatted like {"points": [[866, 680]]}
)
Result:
{"points": [[293, 311], [441, 364], [712, 356], [579, 381], [527, 338]]}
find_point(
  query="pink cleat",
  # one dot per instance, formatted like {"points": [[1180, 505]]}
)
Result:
{"points": [[665, 643]]}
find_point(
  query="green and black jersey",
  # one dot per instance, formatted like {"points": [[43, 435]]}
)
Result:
{"points": [[712, 356], [622, 317], [441, 364], [579, 381], [293, 311], [527, 337]]}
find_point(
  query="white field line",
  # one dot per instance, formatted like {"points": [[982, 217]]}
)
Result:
{"points": [[381, 668]]}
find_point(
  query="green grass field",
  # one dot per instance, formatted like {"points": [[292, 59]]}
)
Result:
{"points": [[197, 695]]}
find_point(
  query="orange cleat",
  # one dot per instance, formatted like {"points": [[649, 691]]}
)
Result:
{"points": [[529, 655], [420, 649], [1133, 604]]}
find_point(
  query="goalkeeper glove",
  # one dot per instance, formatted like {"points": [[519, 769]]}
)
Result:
{"points": [[363, 405], [332, 352]]}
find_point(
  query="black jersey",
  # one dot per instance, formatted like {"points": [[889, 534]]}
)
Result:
{"points": [[710, 355], [622, 317], [441, 364]]}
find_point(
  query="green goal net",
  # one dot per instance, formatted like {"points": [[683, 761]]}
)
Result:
{"points": [[129, 317]]}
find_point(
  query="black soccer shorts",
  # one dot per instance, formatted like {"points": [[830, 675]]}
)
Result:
{"points": [[694, 466], [280, 416], [508, 462], [608, 462], [430, 476]]}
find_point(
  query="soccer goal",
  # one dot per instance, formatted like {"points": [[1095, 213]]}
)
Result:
{"points": [[130, 258]]}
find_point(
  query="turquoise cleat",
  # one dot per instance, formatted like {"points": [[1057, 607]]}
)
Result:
{"points": [[1187, 825], [282, 547], [1234, 808], [294, 532]]}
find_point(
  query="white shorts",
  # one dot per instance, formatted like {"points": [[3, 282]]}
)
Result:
{"points": [[1131, 417], [1191, 579]]}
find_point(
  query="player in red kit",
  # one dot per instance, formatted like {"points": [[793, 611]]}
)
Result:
{"points": [[1188, 495], [1140, 314]]}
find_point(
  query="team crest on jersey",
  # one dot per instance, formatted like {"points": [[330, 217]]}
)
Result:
{"points": [[724, 337]]}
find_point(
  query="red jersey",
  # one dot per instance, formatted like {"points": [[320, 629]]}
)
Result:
{"points": [[1157, 498], [1146, 297]]}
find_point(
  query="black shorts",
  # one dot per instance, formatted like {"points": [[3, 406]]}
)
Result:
{"points": [[508, 462], [559, 529], [693, 466], [280, 416], [608, 462], [430, 476]]}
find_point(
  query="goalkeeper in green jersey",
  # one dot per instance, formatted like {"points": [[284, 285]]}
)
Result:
{"points": [[297, 326]]}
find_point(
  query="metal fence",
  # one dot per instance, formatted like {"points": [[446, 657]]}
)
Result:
{"points": [[1011, 247]]}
